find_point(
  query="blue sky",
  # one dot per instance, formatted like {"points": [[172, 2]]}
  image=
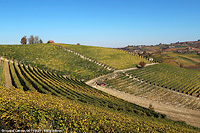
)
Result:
{"points": [[108, 23]]}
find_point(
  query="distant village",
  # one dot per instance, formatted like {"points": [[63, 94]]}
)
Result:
{"points": [[178, 47]]}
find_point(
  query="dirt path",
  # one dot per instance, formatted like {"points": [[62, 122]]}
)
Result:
{"points": [[8, 78], [191, 117], [124, 70]]}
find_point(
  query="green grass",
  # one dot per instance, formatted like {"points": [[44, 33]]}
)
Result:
{"points": [[55, 59], [31, 110], [115, 58]]}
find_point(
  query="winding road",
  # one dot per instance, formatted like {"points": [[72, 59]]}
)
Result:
{"points": [[191, 117]]}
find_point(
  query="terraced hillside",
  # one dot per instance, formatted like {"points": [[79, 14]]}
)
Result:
{"points": [[160, 82], [46, 100], [54, 59], [70, 92], [115, 58], [34, 79], [132, 85], [173, 78]]}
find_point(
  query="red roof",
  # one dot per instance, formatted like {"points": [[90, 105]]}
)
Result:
{"points": [[50, 41]]}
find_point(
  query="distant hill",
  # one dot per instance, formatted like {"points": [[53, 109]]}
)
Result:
{"points": [[185, 54]]}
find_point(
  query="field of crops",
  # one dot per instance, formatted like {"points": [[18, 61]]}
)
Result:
{"points": [[72, 105], [115, 58], [47, 99], [173, 78], [55, 59], [34, 79], [31, 110], [132, 85]]}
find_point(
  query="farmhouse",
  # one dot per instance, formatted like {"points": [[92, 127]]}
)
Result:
{"points": [[50, 41]]}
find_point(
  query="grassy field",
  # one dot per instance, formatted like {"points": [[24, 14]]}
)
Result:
{"points": [[115, 58], [31, 110], [55, 59]]}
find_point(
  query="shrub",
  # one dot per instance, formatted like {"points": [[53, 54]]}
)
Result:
{"points": [[142, 64]]}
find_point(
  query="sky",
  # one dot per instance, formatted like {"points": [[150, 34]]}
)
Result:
{"points": [[106, 23]]}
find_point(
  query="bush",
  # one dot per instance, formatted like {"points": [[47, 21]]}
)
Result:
{"points": [[142, 64]]}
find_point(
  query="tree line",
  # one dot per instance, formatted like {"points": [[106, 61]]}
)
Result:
{"points": [[31, 40]]}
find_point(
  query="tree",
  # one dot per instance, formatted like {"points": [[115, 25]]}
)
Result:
{"points": [[31, 39], [41, 41], [36, 40], [144, 52], [142, 64], [23, 40]]}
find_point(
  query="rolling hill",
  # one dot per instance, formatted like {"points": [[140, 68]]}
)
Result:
{"points": [[161, 82], [117, 59], [54, 59], [51, 94]]}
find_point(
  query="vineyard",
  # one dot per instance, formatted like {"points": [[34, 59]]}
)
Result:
{"points": [[34, 79], [59, 102], [170, 77], [23, 110], [132, 85], [54, 59], [52, 79], [189, 60], [115, 58]]}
